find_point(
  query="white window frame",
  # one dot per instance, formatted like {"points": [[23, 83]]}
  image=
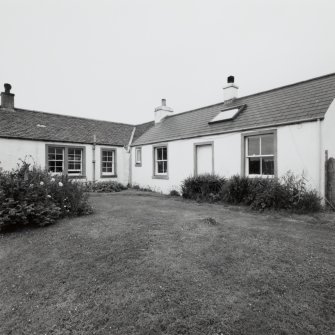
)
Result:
{"points": [[74, 161], [55, 160], [65, 161], [247, 156], [104, 173], [156, 174], [138, 160]]}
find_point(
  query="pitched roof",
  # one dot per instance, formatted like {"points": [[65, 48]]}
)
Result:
{"points": [[306, 100], [142, 128], [26, 124]]}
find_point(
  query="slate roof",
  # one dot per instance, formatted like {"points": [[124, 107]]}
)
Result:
{"points": [[142, 128], [23, 124], [300, 102]]}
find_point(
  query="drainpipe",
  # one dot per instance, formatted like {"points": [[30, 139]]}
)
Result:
{"points": [[319, 155], [93, 155], [130, 178]]}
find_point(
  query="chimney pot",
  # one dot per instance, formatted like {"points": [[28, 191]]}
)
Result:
{"points": [[7, 98], [163, 102], [230, 80], [8, 87]]}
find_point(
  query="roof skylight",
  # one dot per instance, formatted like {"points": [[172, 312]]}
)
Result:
{"points": [[225, 115]]}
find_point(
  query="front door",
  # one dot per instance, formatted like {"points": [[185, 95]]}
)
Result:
{"points": [[204, 159]]}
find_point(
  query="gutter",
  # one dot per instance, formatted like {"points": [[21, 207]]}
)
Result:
{"points": [[239, 130], [56, 141]]}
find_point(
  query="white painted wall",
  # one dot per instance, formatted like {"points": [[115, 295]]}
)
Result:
{"points": [[329, 130], [11, 150], [298, 151], [181, 161], [297, 145]]}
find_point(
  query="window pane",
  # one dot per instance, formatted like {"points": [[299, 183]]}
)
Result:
{"points": [[254, 165], [159, 154], [55, 159], [164, 153], [107, 156], [267, 144], [253, 146], [160, 167], [71, 166], [268, 166], [71, 152], [138, 155], [165, 167]]}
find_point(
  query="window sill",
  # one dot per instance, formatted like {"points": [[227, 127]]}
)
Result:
{"points": [[76, 177], [261, 176], [109, 176], [160, 177]]}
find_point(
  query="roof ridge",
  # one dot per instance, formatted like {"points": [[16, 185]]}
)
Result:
{"points": [[72, 116], [253, 94]]}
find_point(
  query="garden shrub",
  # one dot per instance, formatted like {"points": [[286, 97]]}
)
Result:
{"points": [[29, 195], [139, 188], [203, 187], [105, 187], [288, 192], [174, 193], [236, 190]]}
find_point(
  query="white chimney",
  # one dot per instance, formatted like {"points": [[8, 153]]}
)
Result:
{"points": [[162, 111], [230, 91]]}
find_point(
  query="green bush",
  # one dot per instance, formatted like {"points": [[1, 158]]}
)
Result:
{"points": [[29, 195], [174, 193], [139, 188], [203, 187], [104, 187], [288, 192], [236, 190]]}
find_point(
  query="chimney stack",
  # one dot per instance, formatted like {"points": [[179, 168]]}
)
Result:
{"points": [[7, 98], [230, 91], [162, 111]]}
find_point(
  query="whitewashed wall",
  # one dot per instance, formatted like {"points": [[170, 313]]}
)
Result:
{"points": [[329, 130], [11, 150], [297, 145]]}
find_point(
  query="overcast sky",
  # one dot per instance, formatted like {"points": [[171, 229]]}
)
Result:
{"points": [[115, 59]]}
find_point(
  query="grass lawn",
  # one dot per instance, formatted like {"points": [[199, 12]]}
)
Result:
{"points": [[149, 264]]}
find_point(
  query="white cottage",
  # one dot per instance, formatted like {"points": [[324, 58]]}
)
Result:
{"points": [[265, 134], [81, 148]]}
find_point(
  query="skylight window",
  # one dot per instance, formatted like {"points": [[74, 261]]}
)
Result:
{"points": [[227, 114]]}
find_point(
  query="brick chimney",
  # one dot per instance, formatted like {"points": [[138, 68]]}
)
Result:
{"points": [[230, 91], [7, 98], [162, 111]]}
